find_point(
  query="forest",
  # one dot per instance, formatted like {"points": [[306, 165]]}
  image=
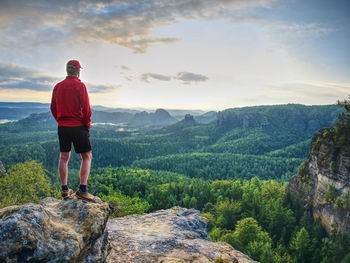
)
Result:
{"points": [[233, 169]]}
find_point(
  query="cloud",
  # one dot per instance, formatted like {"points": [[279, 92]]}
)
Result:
{"points": [[23, 78], [121, 22], [15, 77], [128, 78], [94, 88], [123, 67], [185, 77], [146, 76], [188, 77]]}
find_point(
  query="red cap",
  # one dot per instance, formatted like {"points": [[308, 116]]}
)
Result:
{"points": [[74, 63]]}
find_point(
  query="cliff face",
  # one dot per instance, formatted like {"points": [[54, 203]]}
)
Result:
{"points": [[74, 230], [323, 183]]}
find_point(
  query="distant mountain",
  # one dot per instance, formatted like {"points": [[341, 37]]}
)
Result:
{"points": [[24, 104], [111, 117], [294, 117], [159, 118], [20, 110], [176, 113], [140, 119], [107, 109], [186, 122], [36, 121], [180, 114], [282, 119], [207, 117]]}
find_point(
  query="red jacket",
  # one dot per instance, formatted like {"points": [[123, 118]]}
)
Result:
{"points": [[70, 103]]}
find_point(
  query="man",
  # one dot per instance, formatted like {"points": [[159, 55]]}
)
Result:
{"points": [[71, 108]]}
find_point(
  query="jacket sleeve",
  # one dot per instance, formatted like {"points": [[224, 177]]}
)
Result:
{"points": [[85, 105], [53, 104]]}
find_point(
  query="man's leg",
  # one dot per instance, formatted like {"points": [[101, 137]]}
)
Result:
{"points": [[84, 175], [85, 167], [82, 145], [63, 167]]}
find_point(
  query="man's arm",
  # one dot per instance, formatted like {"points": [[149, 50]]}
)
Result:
{"points": [[53, 104], [85, 104]]}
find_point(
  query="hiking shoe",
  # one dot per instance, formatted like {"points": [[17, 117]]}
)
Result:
{"points": [[84, 195], [66, 194]]}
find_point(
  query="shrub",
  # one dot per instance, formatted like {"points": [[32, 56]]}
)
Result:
{"points": [[303, 172], [344, 201], [334, 167], [124, 205], [26, 182], [331, 194]]}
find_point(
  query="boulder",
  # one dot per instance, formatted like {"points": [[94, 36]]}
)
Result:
{"points": [[51, 231]]}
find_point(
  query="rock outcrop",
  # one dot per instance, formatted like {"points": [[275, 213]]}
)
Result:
{"points": [[323, 183], [74, 230], [159, 118], [166, 236], [52, 231], [294, 117]]}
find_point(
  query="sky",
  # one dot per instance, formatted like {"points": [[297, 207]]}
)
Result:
{"points": [[177, 54]]}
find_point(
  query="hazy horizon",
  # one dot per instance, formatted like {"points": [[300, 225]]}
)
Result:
{"points": [[179, 109], [178, 55]]}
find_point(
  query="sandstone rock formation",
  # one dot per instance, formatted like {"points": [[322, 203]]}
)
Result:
{"points": [[294, 117], [166, 236], [74, 230], [327, 168], [52, 231], [159, 118]]}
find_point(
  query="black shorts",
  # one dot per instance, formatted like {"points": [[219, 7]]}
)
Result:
{"points": [[80, 137]]}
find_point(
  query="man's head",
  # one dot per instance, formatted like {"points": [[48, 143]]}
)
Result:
{"points": [[73, 68]]}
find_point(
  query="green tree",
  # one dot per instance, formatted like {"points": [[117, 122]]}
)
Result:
{"points": [[300, 246], [344, 201], [229, 213], [25, 182], [261, 251], [331, 194], [124, 205], [251, 239], [215, 234]]}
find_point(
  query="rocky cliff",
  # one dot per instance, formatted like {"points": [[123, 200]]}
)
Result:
{"points": [[74, 230], [293, 117], [323, 181]]}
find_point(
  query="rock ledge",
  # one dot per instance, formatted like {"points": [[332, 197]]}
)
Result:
{"points": [[166, 236]]}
